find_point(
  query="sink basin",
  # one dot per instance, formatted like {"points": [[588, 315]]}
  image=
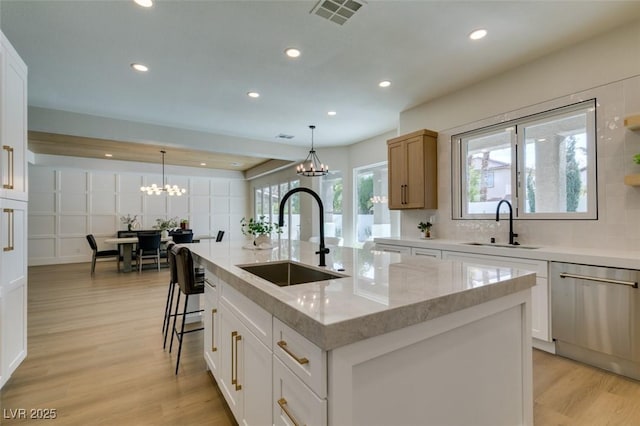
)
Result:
{"points": [[501, 245], [289, 273]]}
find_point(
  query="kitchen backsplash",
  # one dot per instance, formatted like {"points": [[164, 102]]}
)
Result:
{"points": [[618, 204]]}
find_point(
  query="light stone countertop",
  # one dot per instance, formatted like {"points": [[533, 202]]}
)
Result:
{"points": [[383, 291], [586, 256]]}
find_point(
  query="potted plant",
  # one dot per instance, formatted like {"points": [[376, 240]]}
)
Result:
{"points": [[131, 222], [164, 225], [425, 228], [260, 229], [184, 224]]}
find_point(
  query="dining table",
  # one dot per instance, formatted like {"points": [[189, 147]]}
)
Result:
{"points": [[127, 244]]}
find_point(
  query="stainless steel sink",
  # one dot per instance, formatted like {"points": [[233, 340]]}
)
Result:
{"points": [[501, 245], [289, 273]]}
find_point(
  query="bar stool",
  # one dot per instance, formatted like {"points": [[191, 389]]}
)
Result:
{"points": [[190, 283], [173, 280]]}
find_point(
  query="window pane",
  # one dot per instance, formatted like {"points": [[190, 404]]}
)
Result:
{"points": [[488, 170], [258, 202], [556, 165], [371, 204], [331, 195]]}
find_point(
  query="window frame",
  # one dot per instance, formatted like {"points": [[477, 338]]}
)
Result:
{"points": [[459, 180]]}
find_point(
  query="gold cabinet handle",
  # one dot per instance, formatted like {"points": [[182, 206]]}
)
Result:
{"points": [[10, 230], [233, 379], [283, 405], [237, 339], [9, 184], [284, 347], [213, 330]]}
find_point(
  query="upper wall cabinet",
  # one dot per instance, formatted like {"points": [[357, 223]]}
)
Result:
{"points": [[632, 122], [413, 171], [13, 123]]}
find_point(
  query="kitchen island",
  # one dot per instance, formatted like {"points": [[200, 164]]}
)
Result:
{"points": [[397, 340]]}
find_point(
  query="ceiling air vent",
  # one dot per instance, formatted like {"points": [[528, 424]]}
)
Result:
{"points": [[338, 11], [283, 136]]}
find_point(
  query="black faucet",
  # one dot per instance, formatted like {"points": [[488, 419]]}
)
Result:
{"points": [[323, 250], [511, 234]]}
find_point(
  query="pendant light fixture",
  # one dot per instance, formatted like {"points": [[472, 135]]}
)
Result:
{"points": [[312, 166], [164, 187]]}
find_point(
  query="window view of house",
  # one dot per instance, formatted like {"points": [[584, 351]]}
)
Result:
{"points": [[331, 195]]}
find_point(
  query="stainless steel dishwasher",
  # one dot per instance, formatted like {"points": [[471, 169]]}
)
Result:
{"points": [[595, 316]]}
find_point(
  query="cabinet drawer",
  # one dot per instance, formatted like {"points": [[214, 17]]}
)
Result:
{"points": [[393, 249], [293, 401], [537, 266], [306, 360], [436, 254], [257, 320]]}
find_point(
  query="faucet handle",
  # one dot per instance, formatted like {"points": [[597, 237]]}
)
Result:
{"points": [[324, 250]]}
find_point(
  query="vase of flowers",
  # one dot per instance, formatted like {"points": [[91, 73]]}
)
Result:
{"points": [[164, 225], [425, 229], [260, 229], [131, 222]]}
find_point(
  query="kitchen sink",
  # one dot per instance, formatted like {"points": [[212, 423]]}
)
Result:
{"points": [[289, 273], [501, 245]]}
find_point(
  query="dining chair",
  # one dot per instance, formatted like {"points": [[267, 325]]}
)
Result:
{"points": [[190, 283], [182, 237], [148, 248], [101, 253]]}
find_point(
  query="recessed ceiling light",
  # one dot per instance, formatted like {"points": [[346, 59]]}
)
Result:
{"points": [[292, 52], [108, 155], [331, 113], [384, 83], [236, 164], [203, 164], [478, 34], [140, 67], [144, 3], [253, 94]]}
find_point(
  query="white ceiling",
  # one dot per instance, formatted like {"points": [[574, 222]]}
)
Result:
{"points": [[204, 56]]}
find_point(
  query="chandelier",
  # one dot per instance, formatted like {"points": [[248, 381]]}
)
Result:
{"points": [[312, 166], [164, 187]]}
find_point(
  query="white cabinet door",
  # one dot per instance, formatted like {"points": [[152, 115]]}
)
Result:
{"points": [[13, 123], [13, 286], [211, 326], [228, 371], [539, 293], [245, 370]]}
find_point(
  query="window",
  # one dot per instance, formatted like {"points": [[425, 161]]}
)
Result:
{"points": [[372, 214], [331, 195], [267, 203], [544, 164]]}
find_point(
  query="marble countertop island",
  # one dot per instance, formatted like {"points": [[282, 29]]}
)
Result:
{"points": [[382, 292]]}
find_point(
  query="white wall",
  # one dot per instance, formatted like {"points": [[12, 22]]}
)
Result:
{"points": [[72, 197], [607, 68]]}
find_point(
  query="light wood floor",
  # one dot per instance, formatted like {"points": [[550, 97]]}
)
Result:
{"points": [[95, 355]]}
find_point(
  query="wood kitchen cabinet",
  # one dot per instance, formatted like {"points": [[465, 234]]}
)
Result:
{"points": [[413, 171]]}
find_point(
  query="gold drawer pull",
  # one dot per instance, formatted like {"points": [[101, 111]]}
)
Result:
{"points": [[284, 347], [237, 339], [10, 230], [213, 330], [9, 184], [283, 404]]}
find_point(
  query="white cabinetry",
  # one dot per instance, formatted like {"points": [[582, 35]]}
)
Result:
{"points": [[299, 379], [13, 210], [13, 122], [436, 254], [212, 328], [390, 248], [244, 370], [539, 293]]}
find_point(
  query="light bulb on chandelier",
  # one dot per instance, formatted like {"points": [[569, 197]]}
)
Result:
{"points": [[155, 189], [312, 166]]}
